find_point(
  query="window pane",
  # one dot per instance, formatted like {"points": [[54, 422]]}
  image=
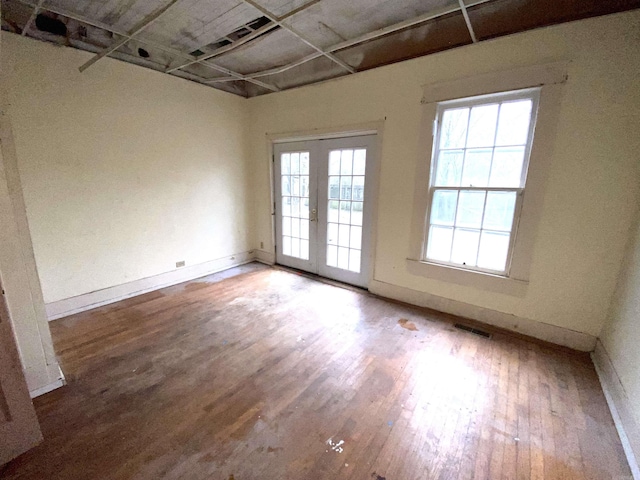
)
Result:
{"points": [[449, 169], [295, 207], [513, 126], [332, 256], [506, 170], [304, 163], [454, 128], [498, 214], [285, 163], [286, 226], [295, 163], [343, 235], [493, 251], [354, 260], [334, 162], [443, 210], [346, 165], [482, 126], [304, 249], [345, 210], [334, 187], [355, 239], [286, 185], [439, 246], [304, 229], [295, 186], [465, 247], [304, 186], [286, 245], [477, 165], [470, 206], [295, 227], [295, 247], [286, 205], [333, 210], [304, 208], [332, 234], [359, 161], [343, 258], [356, 213], [358, 188], [345, 188]]}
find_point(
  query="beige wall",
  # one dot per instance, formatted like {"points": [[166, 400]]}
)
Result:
{"points": [[621, 337], [592, 186], [125, 171]]}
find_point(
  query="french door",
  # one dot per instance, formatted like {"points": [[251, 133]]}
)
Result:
{"points": [[324, 207]]}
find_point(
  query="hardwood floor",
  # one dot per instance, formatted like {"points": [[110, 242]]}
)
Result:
{"points": [[272, 375]]}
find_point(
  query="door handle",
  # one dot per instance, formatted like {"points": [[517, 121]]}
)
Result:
{"points": [[314, 215]]}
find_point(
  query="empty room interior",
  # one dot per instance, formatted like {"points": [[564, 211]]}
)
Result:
{"points": [[319, 239]]}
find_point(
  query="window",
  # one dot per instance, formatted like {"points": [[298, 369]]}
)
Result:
{"points": [[478, 176]]}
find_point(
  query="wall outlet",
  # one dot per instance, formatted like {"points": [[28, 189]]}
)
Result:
{"points": [[180, 264], [261, 244]]}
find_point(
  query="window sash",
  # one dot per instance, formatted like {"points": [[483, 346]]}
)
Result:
{"points": [[512, 233], [533, 95]]}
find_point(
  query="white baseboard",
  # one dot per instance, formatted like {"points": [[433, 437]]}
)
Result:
{"points": [[59, 382], [543, 331], [87, 301], [46, 389], [262, 256], [620, 406]]}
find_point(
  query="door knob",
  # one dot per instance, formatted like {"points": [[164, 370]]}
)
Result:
{"points": [[314, 215]]}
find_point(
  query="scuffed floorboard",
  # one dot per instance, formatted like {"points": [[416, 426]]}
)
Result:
{"points": [[272, 375]]}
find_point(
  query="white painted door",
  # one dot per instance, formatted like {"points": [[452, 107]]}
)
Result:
{"points": [[324, 207], [19, 429]]}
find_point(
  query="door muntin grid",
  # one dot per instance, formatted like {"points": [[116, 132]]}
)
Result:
{"points": [[345, 207], [294, 178]]}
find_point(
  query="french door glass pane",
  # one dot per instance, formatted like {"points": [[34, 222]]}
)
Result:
{"points": [[294, 171], [345, 208]]}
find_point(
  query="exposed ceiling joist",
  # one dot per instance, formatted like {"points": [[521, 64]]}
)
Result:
{"points": [[226, 49], [361, 39], [36, 10], [136, 30], [280, 23], [243, 40], [79, 18], [467, 20], [330, 39]]}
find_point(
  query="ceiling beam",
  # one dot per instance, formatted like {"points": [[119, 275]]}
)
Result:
{"points": [[467, 20], [108, 28], [280, 23], [32, 17], [136, 30], [243, 40], [228, 48], [362, 38]]}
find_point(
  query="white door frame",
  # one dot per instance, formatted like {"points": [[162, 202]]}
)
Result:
{"points": [[370, 128]]}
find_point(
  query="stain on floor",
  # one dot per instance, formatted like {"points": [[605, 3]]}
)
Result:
{"points": [[377, 477], [406, 324]]}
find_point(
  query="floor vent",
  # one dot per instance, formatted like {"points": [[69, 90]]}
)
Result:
{"points": [[475, 331]]}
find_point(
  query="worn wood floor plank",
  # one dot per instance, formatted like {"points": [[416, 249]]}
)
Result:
{"points": [[270, 374]]}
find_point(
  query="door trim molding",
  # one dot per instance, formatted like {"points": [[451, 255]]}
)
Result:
{"points": [[327, 133]]}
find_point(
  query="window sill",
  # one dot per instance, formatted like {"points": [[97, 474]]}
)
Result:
{"points": [[470, 278]]}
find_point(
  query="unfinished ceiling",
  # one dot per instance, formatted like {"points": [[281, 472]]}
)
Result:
{"points": [[253, 47]]}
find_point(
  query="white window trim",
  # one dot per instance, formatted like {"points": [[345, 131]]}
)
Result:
{"points": [[549, 78]]}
